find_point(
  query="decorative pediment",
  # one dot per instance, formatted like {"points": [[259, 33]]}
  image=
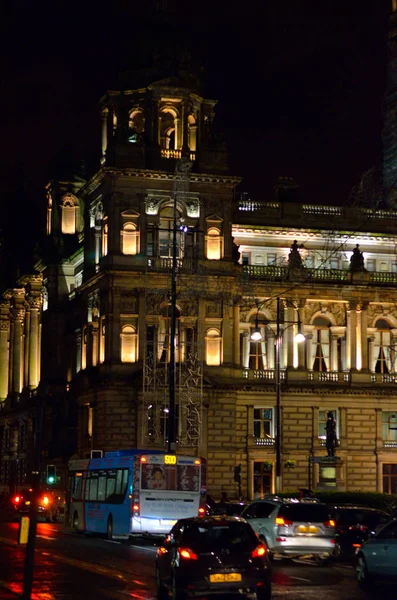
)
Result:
{"points": [[214, 218], [130, 214]]}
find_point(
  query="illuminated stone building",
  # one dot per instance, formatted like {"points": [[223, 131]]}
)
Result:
{"points": [[107, 280]]}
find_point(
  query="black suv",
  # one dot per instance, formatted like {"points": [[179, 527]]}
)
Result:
{"points": [[212, 555], [354, 525]]}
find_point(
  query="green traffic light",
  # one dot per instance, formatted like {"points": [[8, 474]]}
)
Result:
{"points": [[51, 479]]}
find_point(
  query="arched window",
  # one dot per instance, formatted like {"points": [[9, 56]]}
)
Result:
{"points": [[105, 236], [136, 125], [129, 239], [321, 344], [383, 354], [214, 244], [168, 128], [69, 214], [213, 347], [128, 339]]}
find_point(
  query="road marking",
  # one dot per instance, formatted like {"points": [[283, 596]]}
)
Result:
{"points": [[112, 541], [46, 537], [300, 579], [142, 548]]}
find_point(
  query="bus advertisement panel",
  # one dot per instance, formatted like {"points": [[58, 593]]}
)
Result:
{"points": [[134, 491], [166, 491]]}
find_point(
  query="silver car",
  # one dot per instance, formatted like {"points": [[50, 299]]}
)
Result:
{"points": [[377, 557], [293, 528]]}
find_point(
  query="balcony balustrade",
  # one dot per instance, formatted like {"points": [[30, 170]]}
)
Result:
{"points": [[390, 444]]}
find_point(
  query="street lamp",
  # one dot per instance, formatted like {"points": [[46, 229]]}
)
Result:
{"points": [[299, 337]]}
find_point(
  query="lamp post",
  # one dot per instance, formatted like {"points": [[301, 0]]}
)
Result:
{"points": [[257, 336]]}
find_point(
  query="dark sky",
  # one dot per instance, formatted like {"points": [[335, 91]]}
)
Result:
{"points": [[300, 86]]}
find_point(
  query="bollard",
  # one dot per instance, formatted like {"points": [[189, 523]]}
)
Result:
{"points": [[23, 531]]}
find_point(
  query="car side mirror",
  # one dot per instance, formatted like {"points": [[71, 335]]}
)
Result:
{"points": [[262, 538]]}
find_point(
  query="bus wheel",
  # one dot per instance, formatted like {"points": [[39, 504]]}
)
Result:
{"points": [[109, 530], [75, 521]]}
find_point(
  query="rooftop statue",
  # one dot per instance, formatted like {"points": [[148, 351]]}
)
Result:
{"points": [[357, 260], [294, 257]]}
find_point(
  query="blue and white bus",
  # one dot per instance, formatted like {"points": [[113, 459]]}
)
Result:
{"points": [[134, 492]]}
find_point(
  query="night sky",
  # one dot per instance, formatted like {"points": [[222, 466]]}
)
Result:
{"points": [[300, 85]]}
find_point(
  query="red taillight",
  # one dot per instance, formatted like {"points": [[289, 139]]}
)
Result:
{"points": [[201, 512], [187, 554], [330, 523], [17, 499], [45, 501], [281, 521], [259, 551], [162, 550], [135, 509], [358, 528]]}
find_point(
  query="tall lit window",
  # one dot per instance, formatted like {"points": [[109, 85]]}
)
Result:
{"points": [[263, 423], [213, 345], [129, 239], [214, 244], [164, 335], [105, 236], [321, 345], [389, 426], [166, 233], [383, 355], [389, 480], [257, 348], [69, 214], [128, 344]]}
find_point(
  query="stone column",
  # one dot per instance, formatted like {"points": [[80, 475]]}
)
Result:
{"points": [[26, 347], [289, 313], [185, 146], [352, 331], [371, 350], [270, 340], [112, 345], [301, 345], [141, 323], [98, 240], [34, 345], [227, 335], [309, 344], [17, 347], [236, 335], [364, 336], [178, 137], [95, 342], [104, 118], [78, 351], [4, 353], [334, 352]]}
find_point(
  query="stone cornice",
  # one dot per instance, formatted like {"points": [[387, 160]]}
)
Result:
{"points": [[95, 181]]}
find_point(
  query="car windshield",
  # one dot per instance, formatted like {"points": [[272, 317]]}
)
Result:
{"points": [[304, 512], [235, 536]]}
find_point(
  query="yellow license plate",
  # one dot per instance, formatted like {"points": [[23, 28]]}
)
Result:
{"points": [[27, 503], [224, 577], [307, 529]]}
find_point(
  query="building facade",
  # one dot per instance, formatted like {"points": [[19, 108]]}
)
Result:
{"points": [[157, 255]]}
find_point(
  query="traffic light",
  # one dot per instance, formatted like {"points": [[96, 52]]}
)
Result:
{"points": [[237, 474], [51, 474]]}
